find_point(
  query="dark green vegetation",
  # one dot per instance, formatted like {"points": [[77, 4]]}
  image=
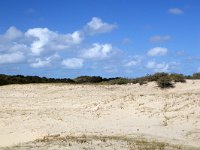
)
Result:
{"points": [[88, 79], [165, 82], [20, 79], [163, 79]]}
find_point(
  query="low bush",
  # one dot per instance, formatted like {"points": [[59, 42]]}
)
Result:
{"points": [[196, 75], [88, 79], [119, 81], [164, 82], [156, 76], [141, 81], [177, 77]]}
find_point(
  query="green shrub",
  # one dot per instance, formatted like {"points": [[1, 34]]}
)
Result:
{"points": [[119, 81], [149, 78], [20, 79], [88, 79], [134, 81], [3, 81], [141, 81], [196, 75], [178, 77], [64, 80], [188, 77], [156, 76], [164, 82]]}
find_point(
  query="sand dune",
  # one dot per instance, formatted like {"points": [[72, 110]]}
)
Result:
{"points": [[34, 111]]}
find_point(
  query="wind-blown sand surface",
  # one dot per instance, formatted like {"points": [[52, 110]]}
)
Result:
{"points": [[63, 116]]}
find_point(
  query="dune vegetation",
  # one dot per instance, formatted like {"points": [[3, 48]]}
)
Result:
{"points": [[163, 79]]}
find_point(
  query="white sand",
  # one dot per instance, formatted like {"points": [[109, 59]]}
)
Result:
{"points": [[29, 112]]}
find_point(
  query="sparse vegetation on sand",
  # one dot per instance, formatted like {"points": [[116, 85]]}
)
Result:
{"points": [[163, 79]]}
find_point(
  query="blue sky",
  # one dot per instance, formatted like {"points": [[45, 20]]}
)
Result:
{"points": [[70, 38]]}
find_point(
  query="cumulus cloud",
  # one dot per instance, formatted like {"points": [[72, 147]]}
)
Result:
{"points": [[73, 63], [158, 67], [18, 47], [46, 62], [157, 51], [42, 36], [11, 34], [40, 63], [175, 11], [11, 58], [96, 25], [36, 45], [9, 41], [10, 51], [158, 38], [45, 39], [13, 47], [97, 51]]}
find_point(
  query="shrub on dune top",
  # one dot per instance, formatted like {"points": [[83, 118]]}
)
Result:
{"points": [[119, 81], [196, 75], [164, 82], [177, 77], [156, 76], [88, 79]]}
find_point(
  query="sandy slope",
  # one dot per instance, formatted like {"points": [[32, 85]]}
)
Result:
{"points": [[29, 112]]}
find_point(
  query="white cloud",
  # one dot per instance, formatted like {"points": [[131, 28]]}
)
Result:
{"points": [[12, 47], [157, 51], [97, 51], [175, 11], [96, 25], [11, 58], [18, 47], [42, 36], [45, 39], [36, 44], [73, 63], [10, 50], [9, 40], [46, 62], [158, 67], [133, 62], [11, 34], [158, 38], [40, 63], [75, 37]]}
